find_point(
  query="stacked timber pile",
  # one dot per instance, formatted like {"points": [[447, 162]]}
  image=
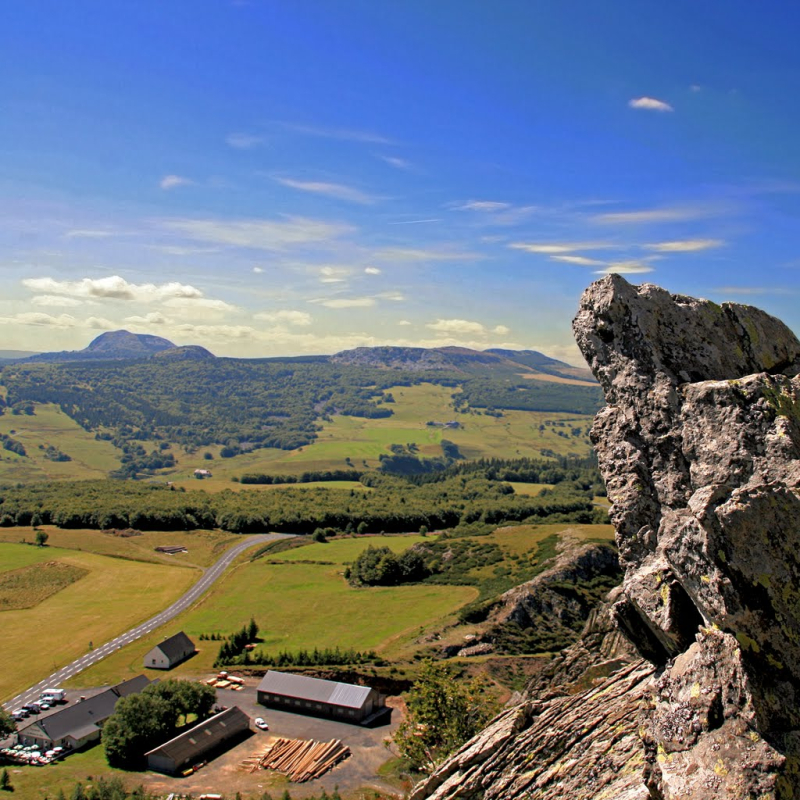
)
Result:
{"points": [[303, 760]]}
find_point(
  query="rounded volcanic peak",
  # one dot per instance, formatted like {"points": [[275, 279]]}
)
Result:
{"points": [[189, 352], [116, 343]]}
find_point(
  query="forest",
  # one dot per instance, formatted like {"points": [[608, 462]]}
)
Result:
{"points": [[392, 504]]}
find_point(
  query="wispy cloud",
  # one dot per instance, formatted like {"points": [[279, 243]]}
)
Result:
{"points": [[55, 301], [581, 261], [483, 205], [415, 254], [64, 321], [397, 163], [416, 221], [372, 271], [649, 104], [625, 268], [501, 330], [333, 274], [395, 297], [113, 287], [346, 302], [556, 248], [244, 141], [153, 318], [84, 233], [651, 215], [285, 316], [343, 134], [684, 245], [258, 270], [337, 190], [174, 181], [260, 234], [456, 326], [752, 290]]}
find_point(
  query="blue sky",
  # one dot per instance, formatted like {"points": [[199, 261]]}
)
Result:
{"points": [[270, 178]]}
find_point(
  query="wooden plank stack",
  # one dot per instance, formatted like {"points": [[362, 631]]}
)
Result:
{"points": [[303, 760]]}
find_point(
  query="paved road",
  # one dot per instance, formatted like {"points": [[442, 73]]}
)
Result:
{"points": [[99, 653]]}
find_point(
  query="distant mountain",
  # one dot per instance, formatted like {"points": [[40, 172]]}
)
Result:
{"points": [[520, 363], [189, 352], [116, 345], [10, 356]]}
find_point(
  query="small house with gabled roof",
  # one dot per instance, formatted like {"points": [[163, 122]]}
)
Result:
{"points": [[170, 652]]}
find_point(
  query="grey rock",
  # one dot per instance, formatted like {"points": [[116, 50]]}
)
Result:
{"points": [[700, 449]]}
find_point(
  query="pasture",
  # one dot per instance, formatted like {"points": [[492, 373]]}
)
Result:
{"points": [[115, 594], [300, 600], [49, 426], [204, 547], [515, 434]]}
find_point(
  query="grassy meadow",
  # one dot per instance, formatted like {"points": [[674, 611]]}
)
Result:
{"points": [[91, 458], [115, 594], [515, 434], [300, 600]]}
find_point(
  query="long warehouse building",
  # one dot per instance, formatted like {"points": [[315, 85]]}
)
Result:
{"points": [[320, 698]]}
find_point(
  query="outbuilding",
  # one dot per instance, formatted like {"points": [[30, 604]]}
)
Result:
{"points": [[191, 746], [170, 652], [79, 724], [320, 698]]}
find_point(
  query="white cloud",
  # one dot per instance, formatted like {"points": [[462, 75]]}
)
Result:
{"points": [[333, 274], [679, 214], [61, 321], [372, 270], [299, 318], [625, 268], [404, 322], [396, 297], [414, 254], [501, 330], [580, 260], [195, 304], [55, 301], [337, 190], [483, 205], [258, 270], [153, 318], [174, 181], [555, 248], [83, 233], [113, 287], [345, 134], [346, 302], [260, 234], [695, 87], [177, 250], [649, 104], [685, 245], [397, 163], [244, 141], [456, 326]]}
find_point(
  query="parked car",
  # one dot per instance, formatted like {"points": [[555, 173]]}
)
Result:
{"points": [[261, 724]]}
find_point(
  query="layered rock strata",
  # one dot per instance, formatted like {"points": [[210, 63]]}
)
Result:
{"points": [[700, 449]]}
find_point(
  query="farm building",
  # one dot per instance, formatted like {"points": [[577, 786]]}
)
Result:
{"points": [[79, 724], [319, 698], [192, 745], [170, 652]]}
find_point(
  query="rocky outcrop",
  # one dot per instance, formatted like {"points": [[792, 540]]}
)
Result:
{"points": [[700, 449], [552, 608]]}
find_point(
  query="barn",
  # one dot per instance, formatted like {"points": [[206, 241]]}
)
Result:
{"points": [[170, 652], [198, 742], [320, 698]]}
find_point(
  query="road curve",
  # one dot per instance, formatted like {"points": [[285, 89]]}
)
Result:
{"points": [[181, 604]]}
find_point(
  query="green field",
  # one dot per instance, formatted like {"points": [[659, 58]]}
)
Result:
{"points": [[204, 547], [115, 595], [91, 458], [516, 434], [301, 605]]}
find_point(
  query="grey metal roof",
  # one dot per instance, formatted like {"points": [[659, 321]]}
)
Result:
{"points": [[176, 646], [75, 720], [203, 737], [302, 687]]}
